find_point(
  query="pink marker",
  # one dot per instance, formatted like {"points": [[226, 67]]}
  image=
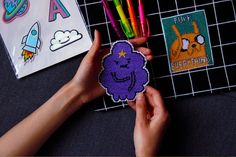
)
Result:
{"points": [[143, 20]]}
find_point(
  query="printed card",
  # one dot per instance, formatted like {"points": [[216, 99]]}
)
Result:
{"points": [[187, 41], [38, 34]]}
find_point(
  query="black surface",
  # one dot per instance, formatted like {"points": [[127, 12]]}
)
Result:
{"points": [[201, 125], [221, 24]]}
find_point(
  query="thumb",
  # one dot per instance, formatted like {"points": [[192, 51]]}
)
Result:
{"points": [[141, 109], [96, 45]]}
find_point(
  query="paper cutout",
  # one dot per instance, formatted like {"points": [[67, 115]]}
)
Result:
{"points": [[187, 40], [14, 9], [31, 43], [64, 38], [56, 7], [124, 72]]}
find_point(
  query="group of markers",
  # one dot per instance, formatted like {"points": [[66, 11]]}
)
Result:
{"points": [[138, 28]]}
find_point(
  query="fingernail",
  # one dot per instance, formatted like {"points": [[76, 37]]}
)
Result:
{"points": [[95, 32], [140, 96]]}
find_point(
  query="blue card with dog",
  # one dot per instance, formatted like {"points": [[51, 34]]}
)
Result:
{"points": [[187, 41]]}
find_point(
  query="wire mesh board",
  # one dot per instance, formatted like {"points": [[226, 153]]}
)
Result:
{"points": [[221, 19]]}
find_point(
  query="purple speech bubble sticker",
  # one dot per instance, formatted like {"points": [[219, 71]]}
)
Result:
{"points": [[124, 72]]}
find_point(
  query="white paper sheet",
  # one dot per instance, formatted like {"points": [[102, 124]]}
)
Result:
{"points": [[64, 37]]}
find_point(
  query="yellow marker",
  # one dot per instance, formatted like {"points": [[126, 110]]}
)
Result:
{"points": [[124, 21]]}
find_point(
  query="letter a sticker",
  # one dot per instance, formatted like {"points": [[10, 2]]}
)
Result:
{"points": [[56, 7]]}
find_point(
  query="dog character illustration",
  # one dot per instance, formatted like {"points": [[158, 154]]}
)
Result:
{"points": [[187, 47], [124, 73]]}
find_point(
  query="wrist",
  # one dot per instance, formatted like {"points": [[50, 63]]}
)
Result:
{"points": [[70, 98], [145, 153]]}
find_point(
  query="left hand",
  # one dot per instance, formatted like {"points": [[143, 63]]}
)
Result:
{"points": [[86, 78]]}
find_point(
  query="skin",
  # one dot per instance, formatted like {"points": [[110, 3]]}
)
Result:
{"points": [[26, 138], [151, 121]]}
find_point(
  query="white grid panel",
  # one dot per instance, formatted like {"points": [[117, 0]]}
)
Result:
{"points": [[220, 77]]}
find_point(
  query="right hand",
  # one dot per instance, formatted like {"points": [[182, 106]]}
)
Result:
{"points": [[151, 122]]}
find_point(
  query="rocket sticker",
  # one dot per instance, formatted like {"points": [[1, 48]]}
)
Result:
{"points": [[31, 43]]}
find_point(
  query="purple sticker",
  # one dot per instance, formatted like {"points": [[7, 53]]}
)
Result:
{"points": [[124, 72]]}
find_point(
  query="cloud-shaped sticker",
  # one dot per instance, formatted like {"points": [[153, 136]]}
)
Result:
{"points": [[64, 38]]}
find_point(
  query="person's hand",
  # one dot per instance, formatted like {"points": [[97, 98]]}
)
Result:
{"points": [[86, 78], [151, 121]]}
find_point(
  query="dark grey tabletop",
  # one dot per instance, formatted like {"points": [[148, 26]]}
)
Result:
{"points": [[200, 125], [203, 125]]}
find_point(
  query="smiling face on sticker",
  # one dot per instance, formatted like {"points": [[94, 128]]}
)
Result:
{"points": [[123, 59], [188, 44], [61, 37], [64, 38], [192, 42], [124, 72]]}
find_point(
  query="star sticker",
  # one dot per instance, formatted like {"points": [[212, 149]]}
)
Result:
{"points": [[122, 54]]}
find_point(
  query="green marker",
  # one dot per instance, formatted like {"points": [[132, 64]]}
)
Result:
{"points": [[124, 21]]}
